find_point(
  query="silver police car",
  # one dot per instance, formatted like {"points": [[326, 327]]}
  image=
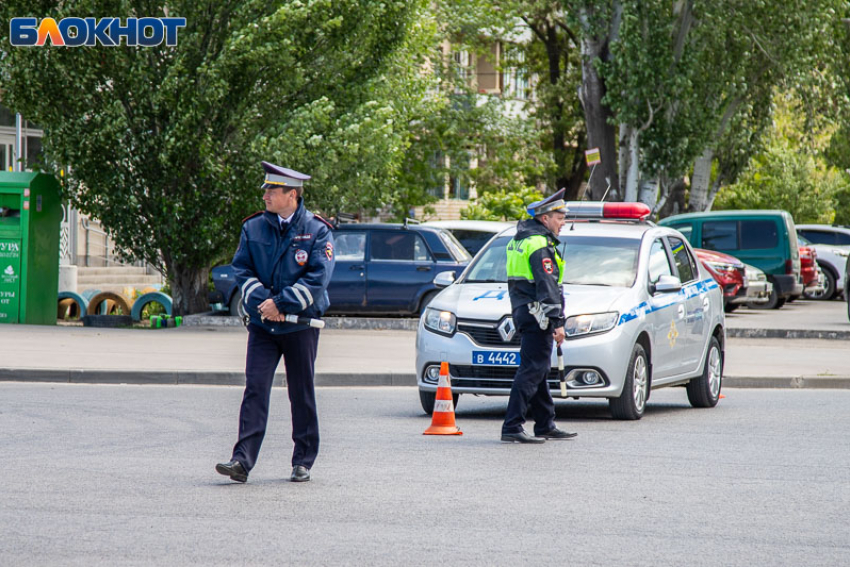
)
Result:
{"points": [[641, 311]]}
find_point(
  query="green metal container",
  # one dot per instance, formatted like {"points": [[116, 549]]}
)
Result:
{"points": [[30, 217]]}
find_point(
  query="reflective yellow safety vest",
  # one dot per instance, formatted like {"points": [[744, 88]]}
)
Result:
{"points": [[519, 257]]}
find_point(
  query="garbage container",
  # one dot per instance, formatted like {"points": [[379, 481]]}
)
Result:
{"points": [[30, 217]]}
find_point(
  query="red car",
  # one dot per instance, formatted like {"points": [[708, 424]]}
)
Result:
{"points": [[729, 272], [808, 266]]}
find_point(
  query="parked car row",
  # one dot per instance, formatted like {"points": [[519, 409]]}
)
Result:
{"points": [[804, 260], [385, 269], [759, 258]]}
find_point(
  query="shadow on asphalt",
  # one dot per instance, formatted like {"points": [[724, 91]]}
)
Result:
{"points": [[574, 411]]}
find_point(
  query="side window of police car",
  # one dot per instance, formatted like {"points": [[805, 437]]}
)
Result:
{"points": [[685, 264], [659, 263]]}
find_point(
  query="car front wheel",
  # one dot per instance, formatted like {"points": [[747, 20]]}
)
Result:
{"points": [[631, 403], [704, 391], [427, 399]]}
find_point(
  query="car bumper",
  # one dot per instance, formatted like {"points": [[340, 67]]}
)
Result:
{"points": [[606, 353], [818, 286], [759, 291], [787, 285]]}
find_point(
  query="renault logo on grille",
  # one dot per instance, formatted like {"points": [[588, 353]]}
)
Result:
{"points": [[507, 330]]}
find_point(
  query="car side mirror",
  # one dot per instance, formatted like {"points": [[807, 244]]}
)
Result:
{"points": [[667, 284], [444, 279]]}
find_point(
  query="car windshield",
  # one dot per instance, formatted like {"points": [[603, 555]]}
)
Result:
{"points": [[589, 260], [456, 248]]}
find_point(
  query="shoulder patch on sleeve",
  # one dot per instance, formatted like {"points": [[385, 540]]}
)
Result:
{"points": [[330, 226], [249, 217]]}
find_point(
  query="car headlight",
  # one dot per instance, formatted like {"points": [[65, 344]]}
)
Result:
{"points": [[722, 266], [588, 324], [443, 322]]}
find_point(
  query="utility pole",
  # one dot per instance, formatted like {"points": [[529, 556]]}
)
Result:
{"points": [[18, 145]]}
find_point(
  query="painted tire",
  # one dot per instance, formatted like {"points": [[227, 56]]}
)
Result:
{"points": [[152, 297], [70, 303], [117, 300]]}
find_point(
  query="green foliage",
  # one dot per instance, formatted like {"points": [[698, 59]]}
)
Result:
{"points": [[783, 178], [163, 144], [502, 205]]}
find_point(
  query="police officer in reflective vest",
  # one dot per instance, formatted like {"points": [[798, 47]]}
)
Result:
{"points": [[535, 272], [283, 266]]}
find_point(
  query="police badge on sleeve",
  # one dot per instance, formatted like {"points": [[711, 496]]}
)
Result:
{"points": [[329, 250]]}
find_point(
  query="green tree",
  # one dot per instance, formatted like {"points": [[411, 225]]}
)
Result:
{"points": [[502, 205], [544, 144], [791, 172], [163, 144]]}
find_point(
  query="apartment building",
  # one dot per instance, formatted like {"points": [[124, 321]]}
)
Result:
{"points": [[499, 71]]}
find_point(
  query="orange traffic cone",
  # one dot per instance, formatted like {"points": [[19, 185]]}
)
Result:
{"points": [[443, 418]]}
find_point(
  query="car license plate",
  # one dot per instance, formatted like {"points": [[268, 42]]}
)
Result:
{"points": [[495, 358]]}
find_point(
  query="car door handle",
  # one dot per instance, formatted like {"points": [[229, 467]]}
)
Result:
{"points": [[681, 311], [356, 267], [423, 268]]}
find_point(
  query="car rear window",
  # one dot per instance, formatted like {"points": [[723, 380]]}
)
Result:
{"points": [[818, 236], [590, 260], [720, 235], [472, 240], [759, 234], [398, 246], [740, 235]]}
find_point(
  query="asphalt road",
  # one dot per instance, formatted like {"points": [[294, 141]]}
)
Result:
{"points": [[123, 475]]}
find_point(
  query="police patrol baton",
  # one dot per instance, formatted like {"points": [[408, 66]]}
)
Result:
{"points": [[309, 321], [561, 374], [293, 319]]}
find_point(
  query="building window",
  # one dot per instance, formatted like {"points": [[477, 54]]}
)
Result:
{"points": [[459, 183], [515, 74], [462, 62], [436, 175]]}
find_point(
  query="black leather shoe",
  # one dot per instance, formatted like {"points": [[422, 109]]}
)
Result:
{"points": [[521, 437], [556, 434], [234, 470], [300, 473]]}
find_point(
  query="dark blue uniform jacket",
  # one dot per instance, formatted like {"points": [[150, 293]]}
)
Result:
{"points": [[292, 265]]}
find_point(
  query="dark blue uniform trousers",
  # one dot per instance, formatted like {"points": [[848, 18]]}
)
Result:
{"points": [[530, 387], [299, 356]]}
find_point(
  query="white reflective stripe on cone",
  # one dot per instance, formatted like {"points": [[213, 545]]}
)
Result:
{"points": [[444, 406], [444, 382]]}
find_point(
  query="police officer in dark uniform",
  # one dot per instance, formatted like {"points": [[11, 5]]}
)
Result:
{"points": [[535, 272], [283, 266]]}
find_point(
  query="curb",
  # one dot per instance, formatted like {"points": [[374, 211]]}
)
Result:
{"points": [[786, 334], [408, 324], [340, 379]]}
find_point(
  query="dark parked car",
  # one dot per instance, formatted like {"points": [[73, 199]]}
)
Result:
{"points": [[380, 269]]}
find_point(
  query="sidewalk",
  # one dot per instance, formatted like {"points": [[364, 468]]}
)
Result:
{"points": [[216, 355]]}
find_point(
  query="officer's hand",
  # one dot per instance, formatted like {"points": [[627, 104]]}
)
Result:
{"points": [[559, 335], [268, 309]]}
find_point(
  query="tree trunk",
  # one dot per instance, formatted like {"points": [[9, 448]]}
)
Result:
{"points": [[698, 201], [673, 202], [598, 116], [189, 289], [631, 168]]}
